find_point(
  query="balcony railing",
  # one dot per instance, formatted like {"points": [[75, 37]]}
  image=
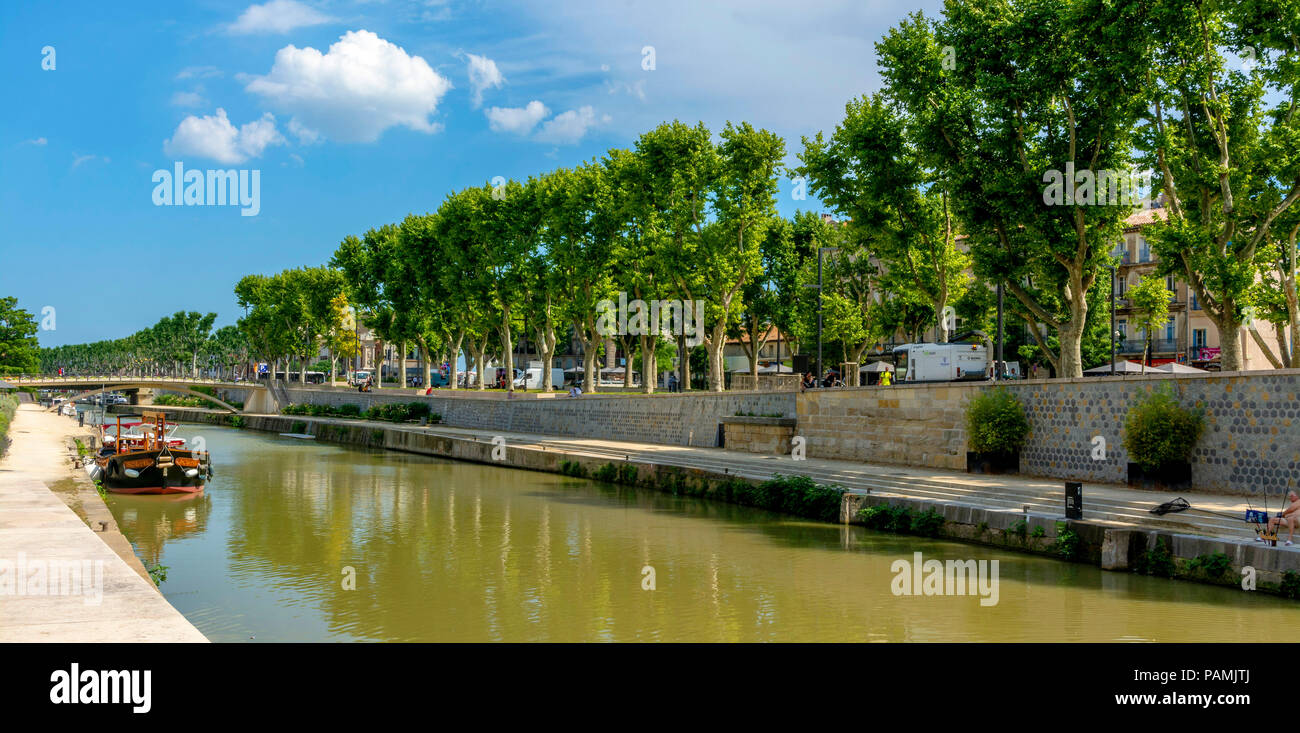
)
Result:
{"points": [[1158, 346]]}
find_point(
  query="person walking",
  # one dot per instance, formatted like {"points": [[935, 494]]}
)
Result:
{"points": [[886, 378]]}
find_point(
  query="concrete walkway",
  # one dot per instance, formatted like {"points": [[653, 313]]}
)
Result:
{"points": [[105, 599]]}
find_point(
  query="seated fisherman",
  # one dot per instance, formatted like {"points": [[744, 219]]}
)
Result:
{"points": [[1288, 516]]}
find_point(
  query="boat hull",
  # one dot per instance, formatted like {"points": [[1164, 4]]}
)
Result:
{"points": [[149, 478]]}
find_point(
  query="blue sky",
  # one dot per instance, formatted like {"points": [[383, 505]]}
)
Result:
{"points": [[355, 114]]}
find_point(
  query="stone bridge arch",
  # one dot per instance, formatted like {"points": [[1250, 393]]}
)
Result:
{"points": [[172, 386]]}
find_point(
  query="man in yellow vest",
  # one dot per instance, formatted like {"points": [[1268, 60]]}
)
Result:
{"points": [[886, 378]]}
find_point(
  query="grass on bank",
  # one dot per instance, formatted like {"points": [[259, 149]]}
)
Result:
{"points": [[8, 406]]}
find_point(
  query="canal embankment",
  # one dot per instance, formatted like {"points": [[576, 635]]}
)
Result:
{"points": [[66, 573], [1117, 531]]}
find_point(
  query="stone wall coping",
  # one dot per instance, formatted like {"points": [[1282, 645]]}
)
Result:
{"points": [[495, 394], [784, 422]]}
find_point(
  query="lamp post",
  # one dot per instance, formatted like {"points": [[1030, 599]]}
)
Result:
{"points": [[1113, 333], [820, 251], [997, 369]]}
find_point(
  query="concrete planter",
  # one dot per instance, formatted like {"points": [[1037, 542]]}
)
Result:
{"points": [[992, 463], [1176, 476]]}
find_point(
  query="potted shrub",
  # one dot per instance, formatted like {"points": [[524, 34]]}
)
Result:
{"points": [[996, 430], [1160, 435]]}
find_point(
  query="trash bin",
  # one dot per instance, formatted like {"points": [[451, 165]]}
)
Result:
{"points": [[1073, 500]]}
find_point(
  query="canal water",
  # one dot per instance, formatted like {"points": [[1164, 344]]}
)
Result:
{"points": [[444, 551]]}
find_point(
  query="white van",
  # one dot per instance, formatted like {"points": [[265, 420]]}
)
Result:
{"points": [[533, 377], [957, 362]]}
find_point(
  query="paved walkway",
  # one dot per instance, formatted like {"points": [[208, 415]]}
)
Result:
{"points": [[1110, 503], [37, 530]]}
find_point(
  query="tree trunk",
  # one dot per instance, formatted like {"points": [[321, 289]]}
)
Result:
{"points": [[427, 370], [626, 342], [649, 363], [1229, 342], [507, 348]]}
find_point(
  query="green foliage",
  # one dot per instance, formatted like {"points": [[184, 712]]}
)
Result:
{"points": [[158, 574], [99, 489], [387, 412], [172, 400], [798, 495], [1290, 587], [8, 406], [996, 422], [1158, 431], [572, 468], [81, 447], [1157, 561], [927, 524], [1150, 300], [19, 348], [1038, 532], [1018, 528], [1068, 544], [889, 518], [1213, 566], [607, 472], [236, 421], [298, 427]]}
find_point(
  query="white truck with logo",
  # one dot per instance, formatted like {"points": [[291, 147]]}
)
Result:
{"points": [[958, 362]]}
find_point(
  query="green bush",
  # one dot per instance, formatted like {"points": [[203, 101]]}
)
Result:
{"points": [[927, 524], [1213, 566], [996, 422], [1067, 544], [236, 421], [887, 518], [1290, 586], [798, 495], [607, 472], [349, 410], [1019, 528], [1158, 431], [8, 406], [1158, 561]]}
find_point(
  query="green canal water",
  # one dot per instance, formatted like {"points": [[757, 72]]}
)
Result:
{"points": [[446, 551]]}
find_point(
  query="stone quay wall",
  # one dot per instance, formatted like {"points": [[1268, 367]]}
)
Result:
{"points": [[690, 418], [1251, 443]]}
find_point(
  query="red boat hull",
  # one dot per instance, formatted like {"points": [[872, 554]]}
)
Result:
{"points": [[158, 490]]}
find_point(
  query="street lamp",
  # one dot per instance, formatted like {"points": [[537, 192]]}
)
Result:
{"points": [[820, 251], [1113, 332]]}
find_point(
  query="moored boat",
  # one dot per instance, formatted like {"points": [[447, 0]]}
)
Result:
{"points": [[147, 459]]}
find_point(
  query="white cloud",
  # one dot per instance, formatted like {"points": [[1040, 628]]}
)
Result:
{"points": [[214, 137], [569, 127], [519, 120], [198, 72], [277, 16], [37, 141], [305, 135], [483, 74], [362, 86], [188, 99], [78, 160]]}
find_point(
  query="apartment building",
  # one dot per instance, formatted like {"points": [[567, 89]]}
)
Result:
{"points": [[1189, 337]]}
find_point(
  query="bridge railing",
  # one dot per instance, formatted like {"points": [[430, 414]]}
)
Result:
{"points": [[119, 379]]}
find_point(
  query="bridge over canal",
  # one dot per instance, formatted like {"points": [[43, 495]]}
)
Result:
{"points": [[261, 398]]}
